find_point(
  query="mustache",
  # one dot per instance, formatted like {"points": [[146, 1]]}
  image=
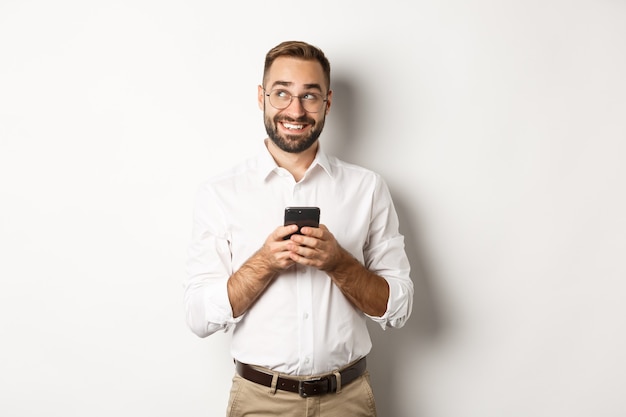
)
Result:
{"points": [[302, 119]]}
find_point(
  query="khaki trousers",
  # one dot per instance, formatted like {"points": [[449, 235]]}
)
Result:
{"points": [[248, 399]]}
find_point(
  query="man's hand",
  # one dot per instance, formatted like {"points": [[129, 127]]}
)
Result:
{"points": [[249, 281], [275, 252], [315, 247]]}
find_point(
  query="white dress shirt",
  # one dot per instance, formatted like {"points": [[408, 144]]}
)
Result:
{"points": [[301, 324]]}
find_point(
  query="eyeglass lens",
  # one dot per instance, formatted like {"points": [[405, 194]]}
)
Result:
{"points": [[281, 99]]}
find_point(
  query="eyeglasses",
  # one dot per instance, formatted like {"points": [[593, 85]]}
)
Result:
{"points": [[281, 99]]}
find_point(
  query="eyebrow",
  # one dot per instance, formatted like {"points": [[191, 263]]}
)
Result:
{"points": [[312, 86]]}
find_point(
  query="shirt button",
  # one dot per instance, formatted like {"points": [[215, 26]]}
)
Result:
{"points": [[305, 316], [306, 360]]}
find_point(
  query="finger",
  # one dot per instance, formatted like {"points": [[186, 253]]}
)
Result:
{"points": [[283, 231], [307, 252], [282, 259], [305, 240], [304, 260], [312, 231]]}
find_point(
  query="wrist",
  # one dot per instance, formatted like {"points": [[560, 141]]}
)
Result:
{"points": [[341, 264]]}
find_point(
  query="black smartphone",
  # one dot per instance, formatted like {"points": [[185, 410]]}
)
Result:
{"points": [[302, 216]]}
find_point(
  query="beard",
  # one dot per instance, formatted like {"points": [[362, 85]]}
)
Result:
{"points": [[293, 143]]}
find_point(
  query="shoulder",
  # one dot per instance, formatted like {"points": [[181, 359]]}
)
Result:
{"points": [[347, 170], [245, 169]]}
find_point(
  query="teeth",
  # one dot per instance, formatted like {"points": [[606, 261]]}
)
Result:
{"points": [[290, 126]]}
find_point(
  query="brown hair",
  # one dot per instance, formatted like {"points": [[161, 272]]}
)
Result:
{"points": [[301, 50]]}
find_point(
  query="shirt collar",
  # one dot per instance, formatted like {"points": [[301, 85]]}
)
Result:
{"points": [[266, 164]]}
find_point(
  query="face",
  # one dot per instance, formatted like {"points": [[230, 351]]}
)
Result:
{"points": [[293, 129]]}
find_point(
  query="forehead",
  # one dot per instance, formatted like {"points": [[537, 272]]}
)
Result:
{"points": [[295, 72]]}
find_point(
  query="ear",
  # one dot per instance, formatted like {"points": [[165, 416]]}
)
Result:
{"points": [[329, 101], [260, 97]]}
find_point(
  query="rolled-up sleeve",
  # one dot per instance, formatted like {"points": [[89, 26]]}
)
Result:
{"points": [[385, 255], [207, 307]]}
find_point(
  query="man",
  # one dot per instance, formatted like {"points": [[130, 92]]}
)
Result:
{"points": [[298, 306]]}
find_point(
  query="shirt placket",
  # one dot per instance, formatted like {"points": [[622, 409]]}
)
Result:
{"points": [[305, 304], [304, 282]]}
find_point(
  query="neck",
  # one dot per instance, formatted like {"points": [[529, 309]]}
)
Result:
{"points": [[295, 163]]}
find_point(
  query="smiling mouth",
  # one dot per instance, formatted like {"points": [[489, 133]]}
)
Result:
{"points": [[292, 126]]}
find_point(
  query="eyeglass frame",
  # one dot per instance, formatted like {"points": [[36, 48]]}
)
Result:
{"points": [[265, 93]]}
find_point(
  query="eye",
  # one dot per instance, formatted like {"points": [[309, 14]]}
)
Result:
{"points": [[282, 94], [311, 97]]}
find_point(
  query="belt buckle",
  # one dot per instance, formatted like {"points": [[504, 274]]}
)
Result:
{"points": [[308, 382]]}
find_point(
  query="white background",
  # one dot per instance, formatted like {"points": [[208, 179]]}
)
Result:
{"points": [[498, 125]]}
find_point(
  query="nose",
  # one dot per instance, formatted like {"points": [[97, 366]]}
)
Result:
{"points": [[295, 108]]}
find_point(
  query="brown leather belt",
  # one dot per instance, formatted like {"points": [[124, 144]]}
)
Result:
{"points": [[307, 387]]}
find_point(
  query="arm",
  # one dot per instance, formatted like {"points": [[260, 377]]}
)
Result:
{"points": [[368, 291], [213, 299], [216, 295], [249, 282]]}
